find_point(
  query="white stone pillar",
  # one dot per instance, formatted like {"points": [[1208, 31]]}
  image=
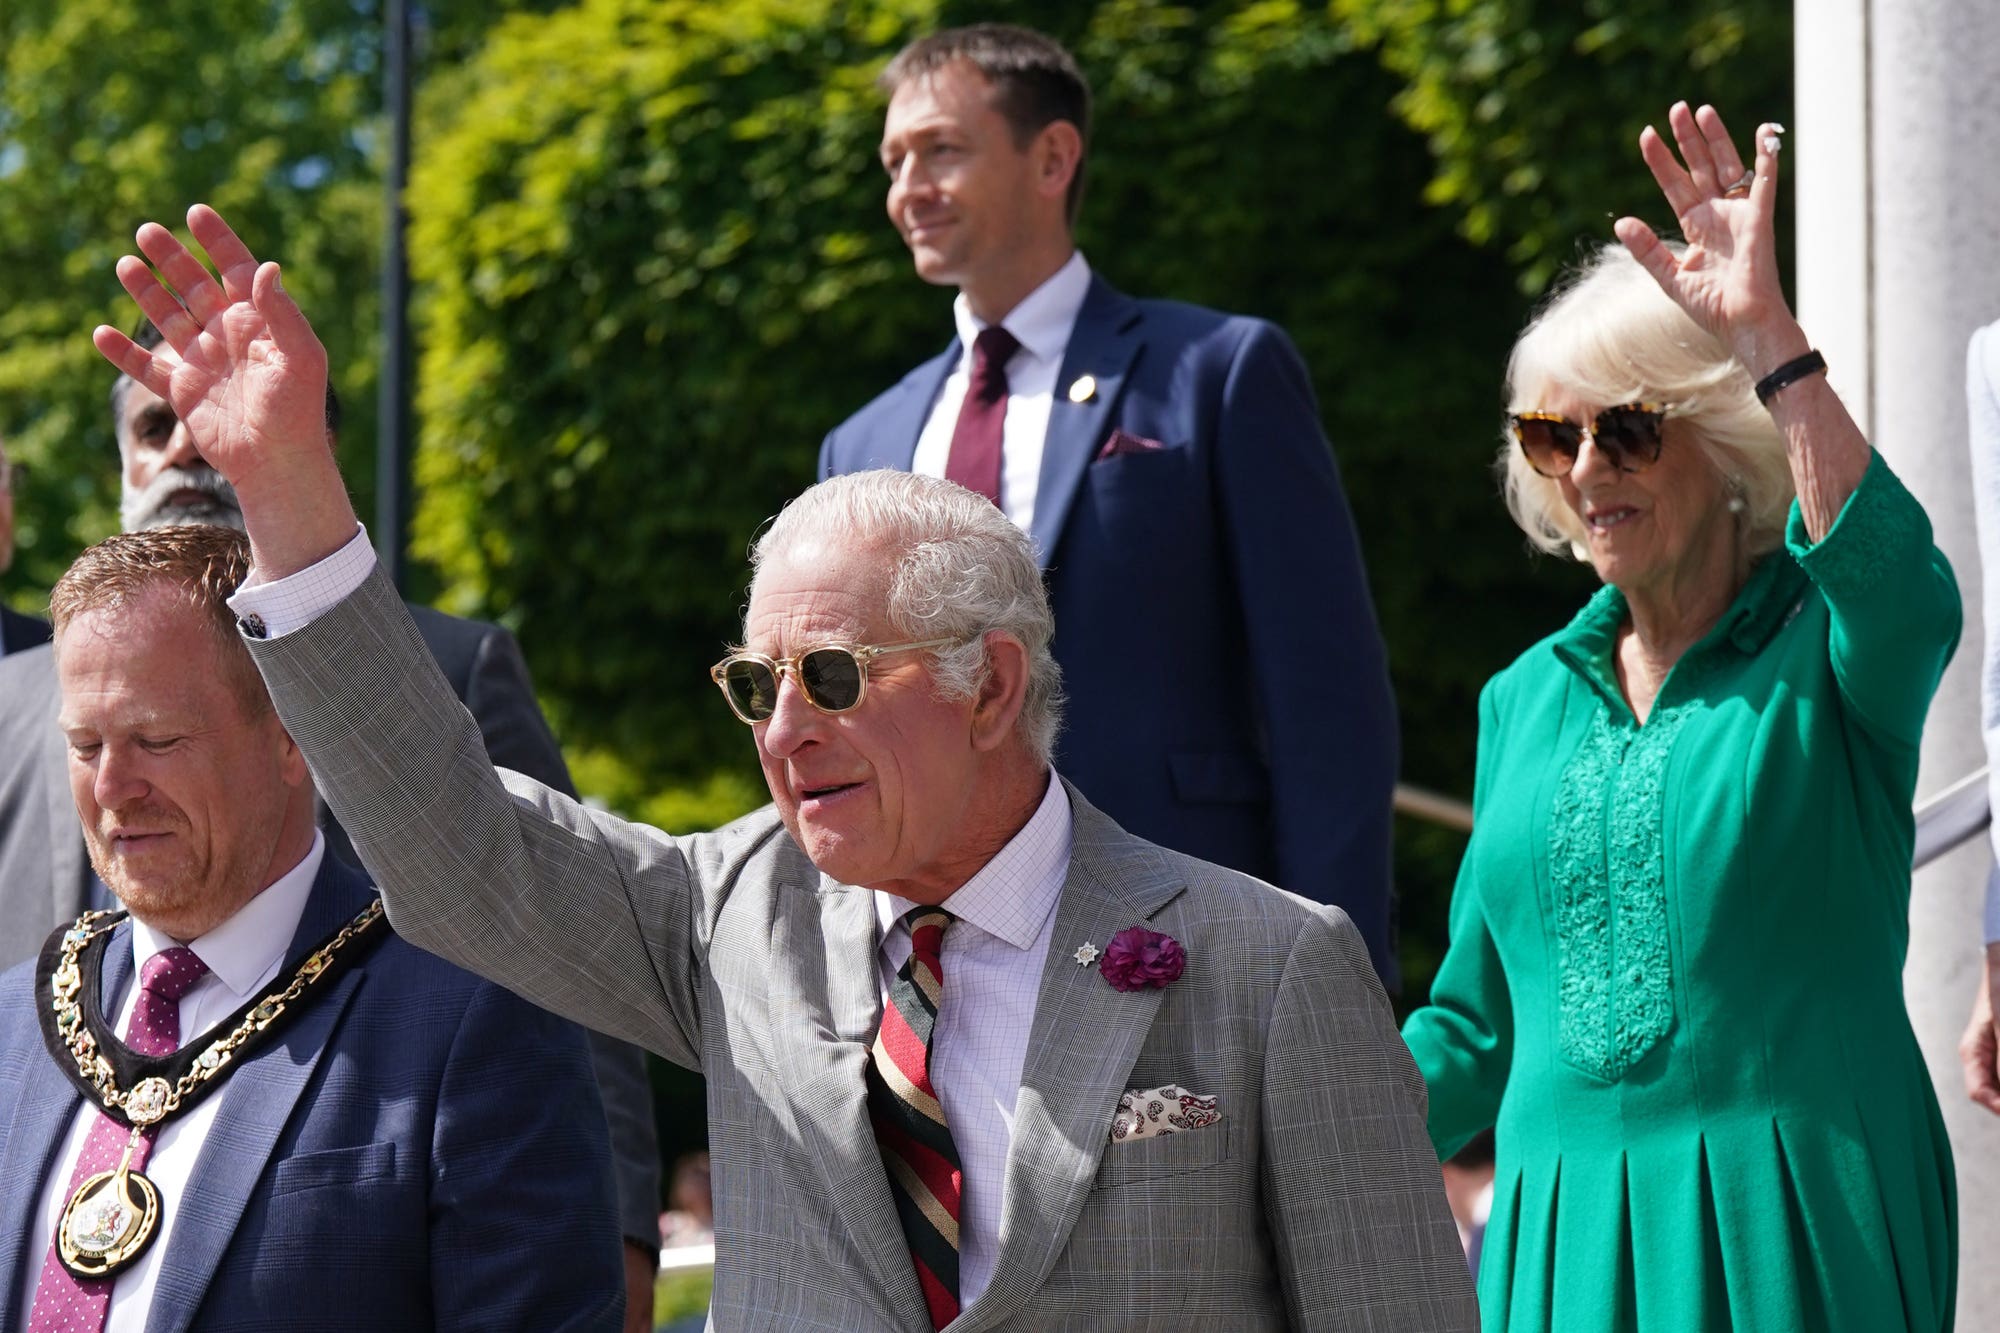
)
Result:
{"points": [[1896, 152]]}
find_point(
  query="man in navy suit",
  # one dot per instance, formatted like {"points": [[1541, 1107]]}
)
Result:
{"points": [[16, 630], [164, 479], [389, 1154], [1229, 692]]}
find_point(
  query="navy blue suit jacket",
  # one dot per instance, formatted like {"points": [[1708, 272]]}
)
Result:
{"points": [[18, 631], [421, 1149], [1228, 689]]}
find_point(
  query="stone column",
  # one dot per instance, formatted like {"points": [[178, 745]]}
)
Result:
{"points": [[1896, 158]]}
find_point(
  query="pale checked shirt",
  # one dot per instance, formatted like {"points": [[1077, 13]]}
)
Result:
{"points": [[243, 955], [993, 957]]}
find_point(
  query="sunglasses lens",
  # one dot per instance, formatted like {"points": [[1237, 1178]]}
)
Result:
{"points": [[1629, 436], [1549, 445], [753, 689], [832, 679]]}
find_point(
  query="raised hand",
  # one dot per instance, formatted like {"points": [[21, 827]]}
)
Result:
{"points": [[1727, 278], [244, 370]]}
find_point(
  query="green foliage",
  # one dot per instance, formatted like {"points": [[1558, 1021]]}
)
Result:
{"points": [[109, 116], [682, 1295], [1533, 109]]}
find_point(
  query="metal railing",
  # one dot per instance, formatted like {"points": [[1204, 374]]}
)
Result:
{"points": [[1953, 816], [1945, 821]]}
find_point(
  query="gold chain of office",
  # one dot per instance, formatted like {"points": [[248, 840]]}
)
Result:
{"points": [[112, 1217]]}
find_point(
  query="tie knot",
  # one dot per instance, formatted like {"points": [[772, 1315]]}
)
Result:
{"points": [[171, 973], [991, 351], [926, 926]]}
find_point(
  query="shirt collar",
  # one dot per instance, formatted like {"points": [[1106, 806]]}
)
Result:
{"points": [[1759, 610], [244, 949], [1013, 894], [1041, 323]]}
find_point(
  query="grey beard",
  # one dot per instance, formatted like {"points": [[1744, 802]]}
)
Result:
{"points": [[154, 507]]}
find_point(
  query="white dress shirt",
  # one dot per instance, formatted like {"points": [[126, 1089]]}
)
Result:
{"points": [[243, 955], [993, 956], [1042, 323]]}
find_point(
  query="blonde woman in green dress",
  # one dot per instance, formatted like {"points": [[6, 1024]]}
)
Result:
{"points": [[1674, 983]]}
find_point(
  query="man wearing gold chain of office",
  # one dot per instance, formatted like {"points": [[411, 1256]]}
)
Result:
{"points": [[250, 1105]]}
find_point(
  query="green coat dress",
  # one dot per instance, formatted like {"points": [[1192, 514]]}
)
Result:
{"points": [[1674, 984]]}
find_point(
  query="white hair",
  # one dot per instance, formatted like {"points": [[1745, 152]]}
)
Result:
{"points": [[961, 569], [1609, 335]]}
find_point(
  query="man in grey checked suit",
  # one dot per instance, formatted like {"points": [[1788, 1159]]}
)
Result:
{"points": [[1301, 1191], [45, 877]]}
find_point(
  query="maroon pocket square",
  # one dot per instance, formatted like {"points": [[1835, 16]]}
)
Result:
{"points": [[1121, 443]]}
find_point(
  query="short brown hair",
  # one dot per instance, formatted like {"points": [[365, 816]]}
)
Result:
{"points": [[1035, 81], [199, 563]]}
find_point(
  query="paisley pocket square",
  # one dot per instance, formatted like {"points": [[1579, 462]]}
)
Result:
{"points": [[1147, 1113], [1121, 443]]}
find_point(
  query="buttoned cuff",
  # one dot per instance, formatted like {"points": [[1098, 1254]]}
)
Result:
{"points": [[273, 610]]}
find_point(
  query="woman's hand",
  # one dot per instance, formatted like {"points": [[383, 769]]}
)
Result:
{"points": [[1727, 278]]}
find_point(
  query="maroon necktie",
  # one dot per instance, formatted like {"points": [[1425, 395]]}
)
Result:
{"points": [[917, 1151], [975, 441], [65, 1303]]}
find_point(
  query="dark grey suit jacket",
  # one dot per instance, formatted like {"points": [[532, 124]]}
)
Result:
{"points": [[1315, 1203], [45, 874], [18, 632]]}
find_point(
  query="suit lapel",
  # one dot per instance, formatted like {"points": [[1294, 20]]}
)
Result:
{"points": [[899, 449], [825, 1074], [256, 1106], [42, 1106], [1103, 345], [68, 866], [1084, 1041]]}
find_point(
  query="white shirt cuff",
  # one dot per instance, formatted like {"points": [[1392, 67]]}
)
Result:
{"points": [[295, 601]]}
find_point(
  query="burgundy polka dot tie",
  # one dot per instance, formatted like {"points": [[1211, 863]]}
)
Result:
{"points": [[65, 1303], [977, 439]]}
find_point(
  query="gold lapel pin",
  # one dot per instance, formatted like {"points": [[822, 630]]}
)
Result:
{"points": [[1084, 389]]}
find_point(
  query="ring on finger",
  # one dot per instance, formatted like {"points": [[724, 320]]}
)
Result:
{"points": [[1740, 187]]}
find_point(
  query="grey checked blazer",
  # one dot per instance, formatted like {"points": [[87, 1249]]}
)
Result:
{"points": [[1315, 1203]]}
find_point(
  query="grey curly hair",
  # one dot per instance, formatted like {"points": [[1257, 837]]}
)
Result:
{"points": [[962, 569], [1609, 335]]}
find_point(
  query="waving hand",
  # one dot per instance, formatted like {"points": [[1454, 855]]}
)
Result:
{"points": [[244, 370]]}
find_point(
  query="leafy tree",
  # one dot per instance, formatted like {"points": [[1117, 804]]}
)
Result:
{"points": [[111, 115], [1533, 109]]}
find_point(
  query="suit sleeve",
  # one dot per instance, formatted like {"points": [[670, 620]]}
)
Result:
{"points": [[501, 698], [518, 1151], [1355, 1203], [584, 914], [1315, 654], [1463, 1040]]}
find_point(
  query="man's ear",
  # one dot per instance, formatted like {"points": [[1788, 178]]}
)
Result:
{"points": [[291, 760], [997, 705], [1058, 152]]}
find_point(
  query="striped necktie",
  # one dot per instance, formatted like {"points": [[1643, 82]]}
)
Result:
{"points": [[917, 1151]]}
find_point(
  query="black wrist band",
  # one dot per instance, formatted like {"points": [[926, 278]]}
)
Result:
{"points": [[1792, 371]]}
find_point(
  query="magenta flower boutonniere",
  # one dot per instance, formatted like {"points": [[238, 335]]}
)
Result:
{"points": [[1137, 959]]}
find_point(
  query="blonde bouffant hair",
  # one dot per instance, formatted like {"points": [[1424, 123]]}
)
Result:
{"points": [[1609, 335]]}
